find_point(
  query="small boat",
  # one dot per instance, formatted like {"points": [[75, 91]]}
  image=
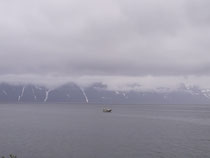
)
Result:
{"points": [[107, 110]]}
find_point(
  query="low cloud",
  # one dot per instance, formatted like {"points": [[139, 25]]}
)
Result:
{"points": [[121, 83], [113, 40]]}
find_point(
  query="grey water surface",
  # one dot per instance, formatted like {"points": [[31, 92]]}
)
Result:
{"points": [[84, 131]]}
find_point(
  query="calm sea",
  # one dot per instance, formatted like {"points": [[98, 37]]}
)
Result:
{"points": [[84, 131]]}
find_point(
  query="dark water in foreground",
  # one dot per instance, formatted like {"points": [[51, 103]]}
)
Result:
{"points": [[84, 131]]}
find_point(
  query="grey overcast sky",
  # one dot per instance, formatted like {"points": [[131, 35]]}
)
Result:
{"points": [[150, 42]]}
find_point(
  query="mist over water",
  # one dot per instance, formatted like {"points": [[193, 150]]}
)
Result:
{"points": [[84, 131]]}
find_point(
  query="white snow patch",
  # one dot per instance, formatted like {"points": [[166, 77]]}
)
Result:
{"points": [[46, 96], [206, 95], [38, 87], [21, 95], [33, 93], [117, 92], [4, 92], [205, 90], [83, 92], [192, 92]]}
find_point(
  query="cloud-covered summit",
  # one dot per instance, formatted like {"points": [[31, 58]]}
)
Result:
{"points": [[121, 40]]}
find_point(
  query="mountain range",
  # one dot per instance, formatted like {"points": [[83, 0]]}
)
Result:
{"points": [[99, 93]]}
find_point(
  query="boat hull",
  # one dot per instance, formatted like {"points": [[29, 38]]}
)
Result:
{"points": [[107, 110]]}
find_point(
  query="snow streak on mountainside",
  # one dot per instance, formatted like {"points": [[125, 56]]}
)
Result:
{"points": [[206, 92], [83, 92], [22, 92], [33, 93], [46, 96], [4, 92]]}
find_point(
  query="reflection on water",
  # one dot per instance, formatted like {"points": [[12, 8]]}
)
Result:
{"points": [[84, 131]]}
